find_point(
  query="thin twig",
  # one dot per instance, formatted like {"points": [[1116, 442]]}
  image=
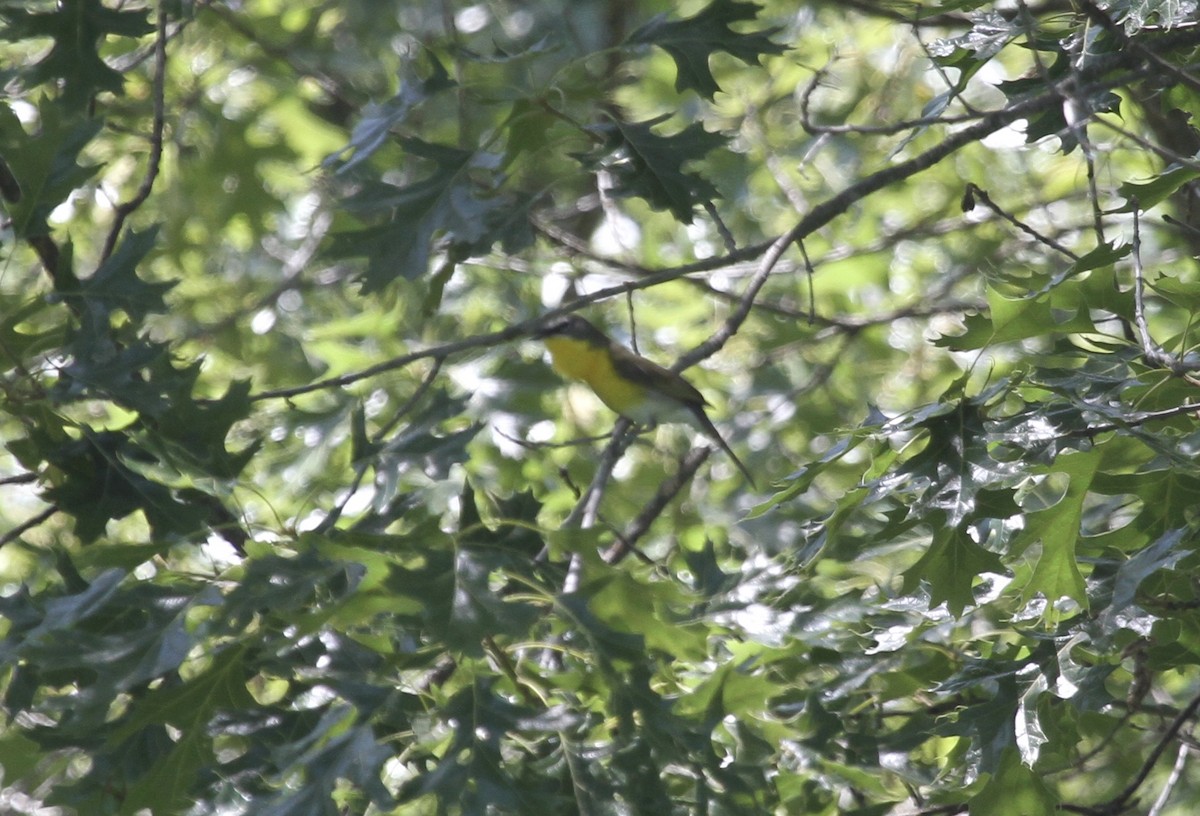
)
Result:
{"points": [[588, 507], [10, 188], [1176, 774], [26, 526], [577, 442], [809, 273], [1152, 352], [1089, 156], [286, 54], [1122, 799], [633, 333], [1182, 226], [975, 192], [952, 88], [361, 466], [127, 208], [943, 810], [1146, 144], [723, 230], [869, 130], [890, 11], [294, 264], [410, 403], [491, 339], [667, 491]]}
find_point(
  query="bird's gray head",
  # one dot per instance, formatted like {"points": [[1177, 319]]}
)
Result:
{"points": [[573, 326]]}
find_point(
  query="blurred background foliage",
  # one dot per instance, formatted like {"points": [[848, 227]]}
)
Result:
{"points": [[296, 518]]}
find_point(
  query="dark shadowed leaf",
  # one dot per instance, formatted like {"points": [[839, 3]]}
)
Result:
{"points": [[651, 166], [691, 42], [78, 29]]}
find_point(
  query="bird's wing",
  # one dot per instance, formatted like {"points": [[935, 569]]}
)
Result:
{"points": [[651, 375], [655, 378]]}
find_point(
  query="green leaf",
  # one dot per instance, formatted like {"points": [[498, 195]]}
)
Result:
{"points": [[477, 611], [193, 702], [651, 166], [19, 757], [1162, 554], [1014, 790], [116, 285], [95, 484], [692, 41], [100, 367], [1056, 574], [198, 429], [1098, 292], [459, 205], [1009, 320], [166, 787], [377, 120], [630, 605], [281, 586], [949, 567], [609, 643], [1145, 195], [78, 28], [334, 753], [423, 440], [45, 162], [65, 612], [990, 721]]}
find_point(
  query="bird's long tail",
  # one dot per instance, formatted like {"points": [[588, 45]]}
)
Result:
{"points": [[711, 431]]}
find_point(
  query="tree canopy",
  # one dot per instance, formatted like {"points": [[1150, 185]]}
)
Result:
{"points": [[296, 519]]}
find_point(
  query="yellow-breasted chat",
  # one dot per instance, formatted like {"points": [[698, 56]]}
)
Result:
{"points": [[636, 388]]}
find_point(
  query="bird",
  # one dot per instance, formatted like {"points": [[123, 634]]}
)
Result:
{"points": [[638, 389]]}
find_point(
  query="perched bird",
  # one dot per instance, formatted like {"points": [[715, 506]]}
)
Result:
{"points": [[631, 385]]}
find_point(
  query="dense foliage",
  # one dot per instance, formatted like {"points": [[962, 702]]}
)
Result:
{"points": [[296, 519]]}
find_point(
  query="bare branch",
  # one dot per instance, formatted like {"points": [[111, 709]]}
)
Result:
{"points": [[127, 208], [588, 507], [1125, 797], [975, 192], [1139, 419], [25, 526], [667, 491], [1152, 352], [1176, 774]]}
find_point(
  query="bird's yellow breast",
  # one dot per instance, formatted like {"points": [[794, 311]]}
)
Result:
{"points": [[580, 360]]}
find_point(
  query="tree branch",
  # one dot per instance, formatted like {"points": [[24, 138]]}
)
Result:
{"points": [[1123, 799], [124, 210], [976, 192], [1152, 352], [667, 491], [817, 217], [27, 525]]}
